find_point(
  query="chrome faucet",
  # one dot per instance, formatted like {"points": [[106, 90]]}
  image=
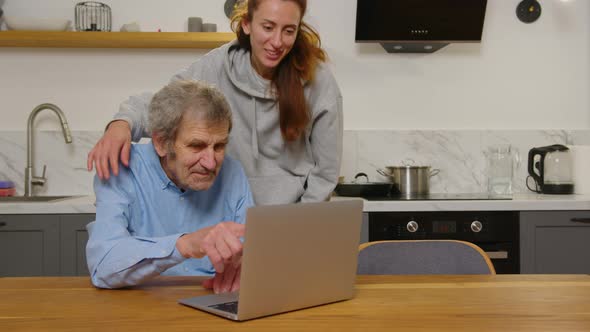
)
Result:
{"points": [[30, 178]]}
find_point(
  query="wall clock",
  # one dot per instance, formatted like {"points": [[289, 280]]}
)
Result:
{"points": [[528, 11]]}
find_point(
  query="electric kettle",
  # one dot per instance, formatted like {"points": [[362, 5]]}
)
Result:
{"points": [[551, 169]]}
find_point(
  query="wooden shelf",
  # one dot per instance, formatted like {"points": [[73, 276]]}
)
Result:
{"points": [[74, 39]]}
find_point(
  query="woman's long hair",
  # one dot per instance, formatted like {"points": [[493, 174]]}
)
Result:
{"points": [[297, 66]]}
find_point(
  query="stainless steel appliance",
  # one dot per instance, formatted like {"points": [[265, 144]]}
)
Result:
{"points": [[496, 232], [409, 180]]}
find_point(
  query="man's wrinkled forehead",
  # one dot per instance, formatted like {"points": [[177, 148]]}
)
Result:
{"points": [[198, 129]]}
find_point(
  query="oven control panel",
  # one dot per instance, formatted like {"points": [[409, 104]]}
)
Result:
{"points": [[468, 226]]}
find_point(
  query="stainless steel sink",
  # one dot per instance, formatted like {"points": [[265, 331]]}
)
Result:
{"points": [[17, 199]]}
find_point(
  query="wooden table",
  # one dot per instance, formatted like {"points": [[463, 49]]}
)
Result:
{"points": [[382, 303]]}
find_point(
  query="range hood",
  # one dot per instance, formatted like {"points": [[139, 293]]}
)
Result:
{"points": [[419, 26]]}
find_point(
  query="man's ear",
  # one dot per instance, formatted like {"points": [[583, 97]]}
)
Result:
{"points": [[159, 144]]}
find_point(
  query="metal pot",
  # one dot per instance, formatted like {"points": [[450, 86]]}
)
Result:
{"points": [[410, 180]]}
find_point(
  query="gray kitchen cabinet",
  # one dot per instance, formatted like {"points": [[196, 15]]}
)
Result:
{"points": [[555, 242], [73, 244], [29, 245], [365, 228], [43, 245]]}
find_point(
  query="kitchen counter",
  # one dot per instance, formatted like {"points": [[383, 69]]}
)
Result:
{"points": [[74, 205], [520, 202]]}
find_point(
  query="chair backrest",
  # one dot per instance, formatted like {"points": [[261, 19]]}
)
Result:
{"points": [[423, 257]]}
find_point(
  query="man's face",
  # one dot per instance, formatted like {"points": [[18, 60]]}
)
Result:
{"points": [[198, 152]]}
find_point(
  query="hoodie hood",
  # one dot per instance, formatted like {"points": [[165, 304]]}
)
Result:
{"points": [[238, 67]]}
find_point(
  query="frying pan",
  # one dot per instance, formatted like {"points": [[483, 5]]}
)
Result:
{"points": [[365, 189]]}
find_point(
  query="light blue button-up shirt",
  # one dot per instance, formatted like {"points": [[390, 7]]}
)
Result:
{"points": [[141, 213]]}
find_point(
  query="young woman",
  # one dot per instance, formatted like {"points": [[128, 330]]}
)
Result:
{"points": [[286, 105]]}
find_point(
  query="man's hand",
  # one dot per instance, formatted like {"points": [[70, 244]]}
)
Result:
{"points": [[228, 281], [221, 243], [115, 143]]}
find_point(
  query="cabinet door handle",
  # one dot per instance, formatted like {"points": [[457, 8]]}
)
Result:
{"points": [[581, 220], [497, 254], [2, 224]]}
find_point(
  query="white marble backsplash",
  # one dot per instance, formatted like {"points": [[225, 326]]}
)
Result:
{"points": [[459, 154], [66, 163]]}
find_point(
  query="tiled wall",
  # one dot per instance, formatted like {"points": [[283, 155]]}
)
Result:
{"points": [[459, 154]]}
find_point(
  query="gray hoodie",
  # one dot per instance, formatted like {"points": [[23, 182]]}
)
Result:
{"points": [[304, 170]]}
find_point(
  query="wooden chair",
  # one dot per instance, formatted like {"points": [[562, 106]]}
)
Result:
{"points": [[423, 257]]}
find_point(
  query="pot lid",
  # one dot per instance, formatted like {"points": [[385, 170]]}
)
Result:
{"points": [[408, 164], [407, 167]]}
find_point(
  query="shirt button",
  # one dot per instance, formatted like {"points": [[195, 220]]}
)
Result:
{"points": [[182, 198]]}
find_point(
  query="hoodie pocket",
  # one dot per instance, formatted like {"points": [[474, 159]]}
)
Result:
{"points": [[277, 189]]}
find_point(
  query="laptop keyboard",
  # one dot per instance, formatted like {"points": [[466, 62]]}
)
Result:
{"points": [[231, 307]]}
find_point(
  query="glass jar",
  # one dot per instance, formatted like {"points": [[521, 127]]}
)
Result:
{"points": [[502, 162]]}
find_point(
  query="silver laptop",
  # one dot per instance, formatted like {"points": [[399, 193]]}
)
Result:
{"points": [[295, 256]]}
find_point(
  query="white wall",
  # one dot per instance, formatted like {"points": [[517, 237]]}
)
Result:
{"points": [[521, 76]]}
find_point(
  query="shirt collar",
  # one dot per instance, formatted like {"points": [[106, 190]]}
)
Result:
{"points": [[154, 162]]}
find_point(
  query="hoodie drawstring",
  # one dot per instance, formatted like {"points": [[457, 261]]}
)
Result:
{"points": [[255, 150]]}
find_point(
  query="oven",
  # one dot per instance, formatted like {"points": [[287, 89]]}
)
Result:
{"points": [[496, 232]]}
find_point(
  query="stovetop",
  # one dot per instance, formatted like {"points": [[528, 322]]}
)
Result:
{"points": [[441, 197]]}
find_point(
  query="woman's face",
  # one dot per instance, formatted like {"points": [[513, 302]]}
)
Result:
{"points": [[272, 31]]}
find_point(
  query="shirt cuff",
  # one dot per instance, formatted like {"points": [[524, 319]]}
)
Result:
{"points": [[170, 241], [177, 256]]}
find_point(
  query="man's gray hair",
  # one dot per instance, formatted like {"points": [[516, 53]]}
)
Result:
{"points": [[175, 99]]}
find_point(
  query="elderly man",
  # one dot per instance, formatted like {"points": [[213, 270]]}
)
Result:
{"points": [[179, 208]]}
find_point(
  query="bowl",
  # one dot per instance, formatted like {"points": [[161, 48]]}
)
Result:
{"points": [[36, 24]]}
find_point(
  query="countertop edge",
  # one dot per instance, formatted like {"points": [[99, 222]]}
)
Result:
{"points": [[85, 205], [77, 205], [518, 203]]}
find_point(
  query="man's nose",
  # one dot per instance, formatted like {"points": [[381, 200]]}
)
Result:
{"points": [[208, 160]]}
